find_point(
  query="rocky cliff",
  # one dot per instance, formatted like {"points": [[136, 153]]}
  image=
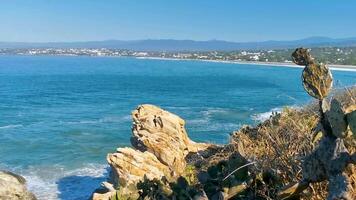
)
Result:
{"points": [[160, 146]]}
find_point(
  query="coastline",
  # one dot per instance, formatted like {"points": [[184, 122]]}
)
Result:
{"points": [[273, 64], [334, 67]]}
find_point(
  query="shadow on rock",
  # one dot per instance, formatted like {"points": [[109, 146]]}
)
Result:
{"points": [[78, 187]]}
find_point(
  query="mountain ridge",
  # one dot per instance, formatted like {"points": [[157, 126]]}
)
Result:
{"points": [[188, 45]]}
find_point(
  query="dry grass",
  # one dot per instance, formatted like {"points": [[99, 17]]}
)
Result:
{"points": [[277, 146], [280, 143]]}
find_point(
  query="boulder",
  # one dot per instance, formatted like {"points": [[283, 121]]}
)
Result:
{"points": [[130, 166], [13, 187]]}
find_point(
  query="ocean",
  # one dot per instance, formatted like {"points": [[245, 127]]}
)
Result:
{"points": [[60, 116]]}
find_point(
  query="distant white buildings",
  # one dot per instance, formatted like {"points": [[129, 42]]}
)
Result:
{"points": [[140, 54]]}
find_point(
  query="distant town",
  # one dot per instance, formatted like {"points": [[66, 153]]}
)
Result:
{"points": [[329, 55]]}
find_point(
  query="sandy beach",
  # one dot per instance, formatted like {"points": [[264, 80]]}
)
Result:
{"points": [[276, 64]]}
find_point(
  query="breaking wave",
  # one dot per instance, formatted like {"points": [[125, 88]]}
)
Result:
{"points": [[55, 182]]}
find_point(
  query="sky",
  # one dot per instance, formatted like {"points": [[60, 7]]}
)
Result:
{"points": [[231, 20]]}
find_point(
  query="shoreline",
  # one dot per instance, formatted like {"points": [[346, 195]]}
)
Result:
{"points": [[273, 64], [335, 67]]}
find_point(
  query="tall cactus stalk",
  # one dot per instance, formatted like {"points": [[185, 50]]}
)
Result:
{"points": [[329, 160]]}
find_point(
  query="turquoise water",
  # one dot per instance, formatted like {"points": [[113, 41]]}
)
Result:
{"points": [[60, 116]]}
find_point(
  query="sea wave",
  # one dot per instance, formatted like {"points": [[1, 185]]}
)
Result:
{"points": [[260, 117], [211, 111], [56, 182], [11, 126], [111, 119], [228, 120]]}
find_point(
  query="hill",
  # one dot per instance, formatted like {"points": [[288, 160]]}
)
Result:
{"points": [[189, 45]]}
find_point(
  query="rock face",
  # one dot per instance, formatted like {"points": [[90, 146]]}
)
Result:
{"points": [[161, 144], [129, 166], [13, 187], [163, 134]]}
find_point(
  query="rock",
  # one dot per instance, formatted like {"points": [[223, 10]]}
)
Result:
{"points": [[103, 196], [13, 187], [161, 145], [163, 134], [130, 166]]}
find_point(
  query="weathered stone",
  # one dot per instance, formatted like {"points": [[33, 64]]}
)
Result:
{"points": [[163, 134], [317, 80], [103, 196], [337, 119], [130, 166], [13, 187]]}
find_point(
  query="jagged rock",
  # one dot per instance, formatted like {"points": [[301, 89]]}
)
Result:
{"points": [[163, 134], [13, 187], [161, 145]]}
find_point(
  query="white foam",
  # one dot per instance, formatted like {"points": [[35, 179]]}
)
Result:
{"points": [[55, 182], [110, 119], [266, 115], [221, 127], [11, 126], [211, 111]]}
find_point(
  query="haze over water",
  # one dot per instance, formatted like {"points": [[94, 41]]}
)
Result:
{"points": [[60, 116]]}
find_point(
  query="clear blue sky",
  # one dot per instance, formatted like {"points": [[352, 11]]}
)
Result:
{"points": [[232, 20]]}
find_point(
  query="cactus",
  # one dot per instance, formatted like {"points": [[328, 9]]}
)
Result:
{"points": [[302, 57], [317, 80], [351, 118], [337, 120], [329, 160]]}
